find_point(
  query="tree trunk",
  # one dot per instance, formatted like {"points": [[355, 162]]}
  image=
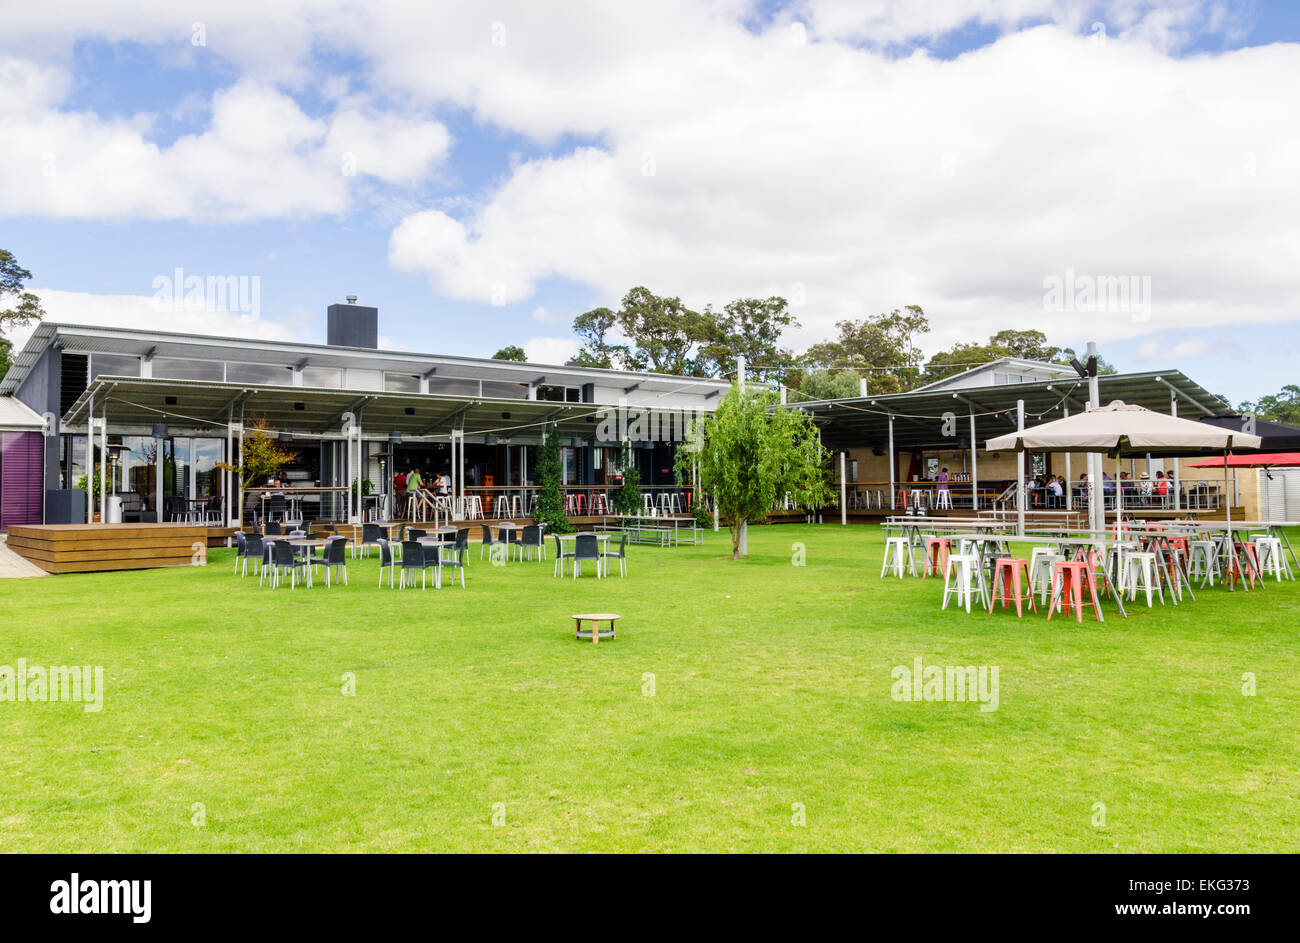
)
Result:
{"points": [[738, 536]]}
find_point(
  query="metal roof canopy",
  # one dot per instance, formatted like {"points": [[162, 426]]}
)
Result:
{"points": [[919, 420], [314, 413], [79, 338]]}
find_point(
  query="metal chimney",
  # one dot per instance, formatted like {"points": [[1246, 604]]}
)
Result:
{"points": [[352, 325]]}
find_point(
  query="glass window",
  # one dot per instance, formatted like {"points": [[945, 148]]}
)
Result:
{"points": [[264, 373], [401, 383], [329, 377], [560, 394], [453, 387], [505, 390], [114, 365], [173, 368]]}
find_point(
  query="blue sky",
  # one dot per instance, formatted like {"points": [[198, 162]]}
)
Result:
{"points": [[470, 213]]}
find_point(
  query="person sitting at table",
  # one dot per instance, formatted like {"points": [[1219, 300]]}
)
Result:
{"points": [[444, 483], [1162, 488], [413, 483], [1055, 492]]}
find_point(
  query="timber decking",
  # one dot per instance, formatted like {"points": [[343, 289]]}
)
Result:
{"points": [[88, 548]]}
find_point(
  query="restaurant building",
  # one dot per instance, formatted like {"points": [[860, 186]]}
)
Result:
{"points": [[156, 415]]}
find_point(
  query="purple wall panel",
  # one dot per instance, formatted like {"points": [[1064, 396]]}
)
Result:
{"points": [[20, 478]]}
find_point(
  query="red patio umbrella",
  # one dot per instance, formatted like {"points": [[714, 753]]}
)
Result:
{"points": [[1262, 460]]}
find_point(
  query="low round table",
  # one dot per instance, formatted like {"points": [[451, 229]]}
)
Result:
{"points": [[595, 618]]}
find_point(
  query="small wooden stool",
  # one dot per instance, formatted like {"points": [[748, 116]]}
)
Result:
{"points": [[595, 618]]}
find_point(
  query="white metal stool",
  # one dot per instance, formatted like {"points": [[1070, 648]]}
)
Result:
{"points": [[1042, 563], [896, 549], [1271, 560], [1203, 563], [1141, 569], [963, 579]]}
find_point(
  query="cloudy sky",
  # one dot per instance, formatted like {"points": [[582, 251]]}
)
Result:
{"points": [[482, 172]]}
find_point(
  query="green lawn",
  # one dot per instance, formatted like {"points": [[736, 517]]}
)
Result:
{"points": [[771, 688]]}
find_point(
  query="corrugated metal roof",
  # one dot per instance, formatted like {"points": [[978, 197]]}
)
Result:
{"points": [[939, 420], [312, 413], [17, 417], [119, 340]]}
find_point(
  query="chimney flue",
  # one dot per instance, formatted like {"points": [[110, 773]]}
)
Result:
{"points": [[352, 325]]}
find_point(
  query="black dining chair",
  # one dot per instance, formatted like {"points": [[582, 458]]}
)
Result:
{"points": [[585, 547], [621, 557], [276, 508], [239, 548], [530, 538], [488, 543], [253, 550], [386, 562], [273, 529], [333, 558], [370, 534], [283, 558], [455, 556], [416, 556], [560, 557]]}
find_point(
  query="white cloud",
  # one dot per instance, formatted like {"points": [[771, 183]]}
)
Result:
{"points": [[724, 160], [1183, 350], [261, 156], [552, 350], [144, 312], [756, 165]]}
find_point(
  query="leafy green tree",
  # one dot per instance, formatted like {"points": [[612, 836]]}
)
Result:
{"points": [[511, 352], [664, 335], [750, 454], [1278, 407], [753, 327], [550, 499], [12, 278], [830, 384], [627, 499], [593, 328], [881, 348], [260, 455]]}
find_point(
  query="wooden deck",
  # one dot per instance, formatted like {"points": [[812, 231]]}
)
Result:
{"points": [[90, 548]]}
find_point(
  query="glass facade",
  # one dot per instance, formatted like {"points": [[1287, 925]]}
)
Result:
{"points": [[401, 383], [114, 365], [327, 377], [264, 373], [173, 368]]}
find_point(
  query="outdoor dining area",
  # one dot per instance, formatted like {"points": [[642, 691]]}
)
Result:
{"points": [[1070, 568], [408, 553]]}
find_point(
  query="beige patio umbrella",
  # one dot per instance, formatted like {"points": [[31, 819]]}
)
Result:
{"points": [[1120, 429]]}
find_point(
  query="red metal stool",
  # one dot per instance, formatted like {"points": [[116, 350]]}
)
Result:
{"points": [[1071, 579], [1247, 548], [1007, 573], [936, 555]]}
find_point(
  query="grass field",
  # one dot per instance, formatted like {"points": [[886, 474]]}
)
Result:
{"points": [[738, 699]]}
